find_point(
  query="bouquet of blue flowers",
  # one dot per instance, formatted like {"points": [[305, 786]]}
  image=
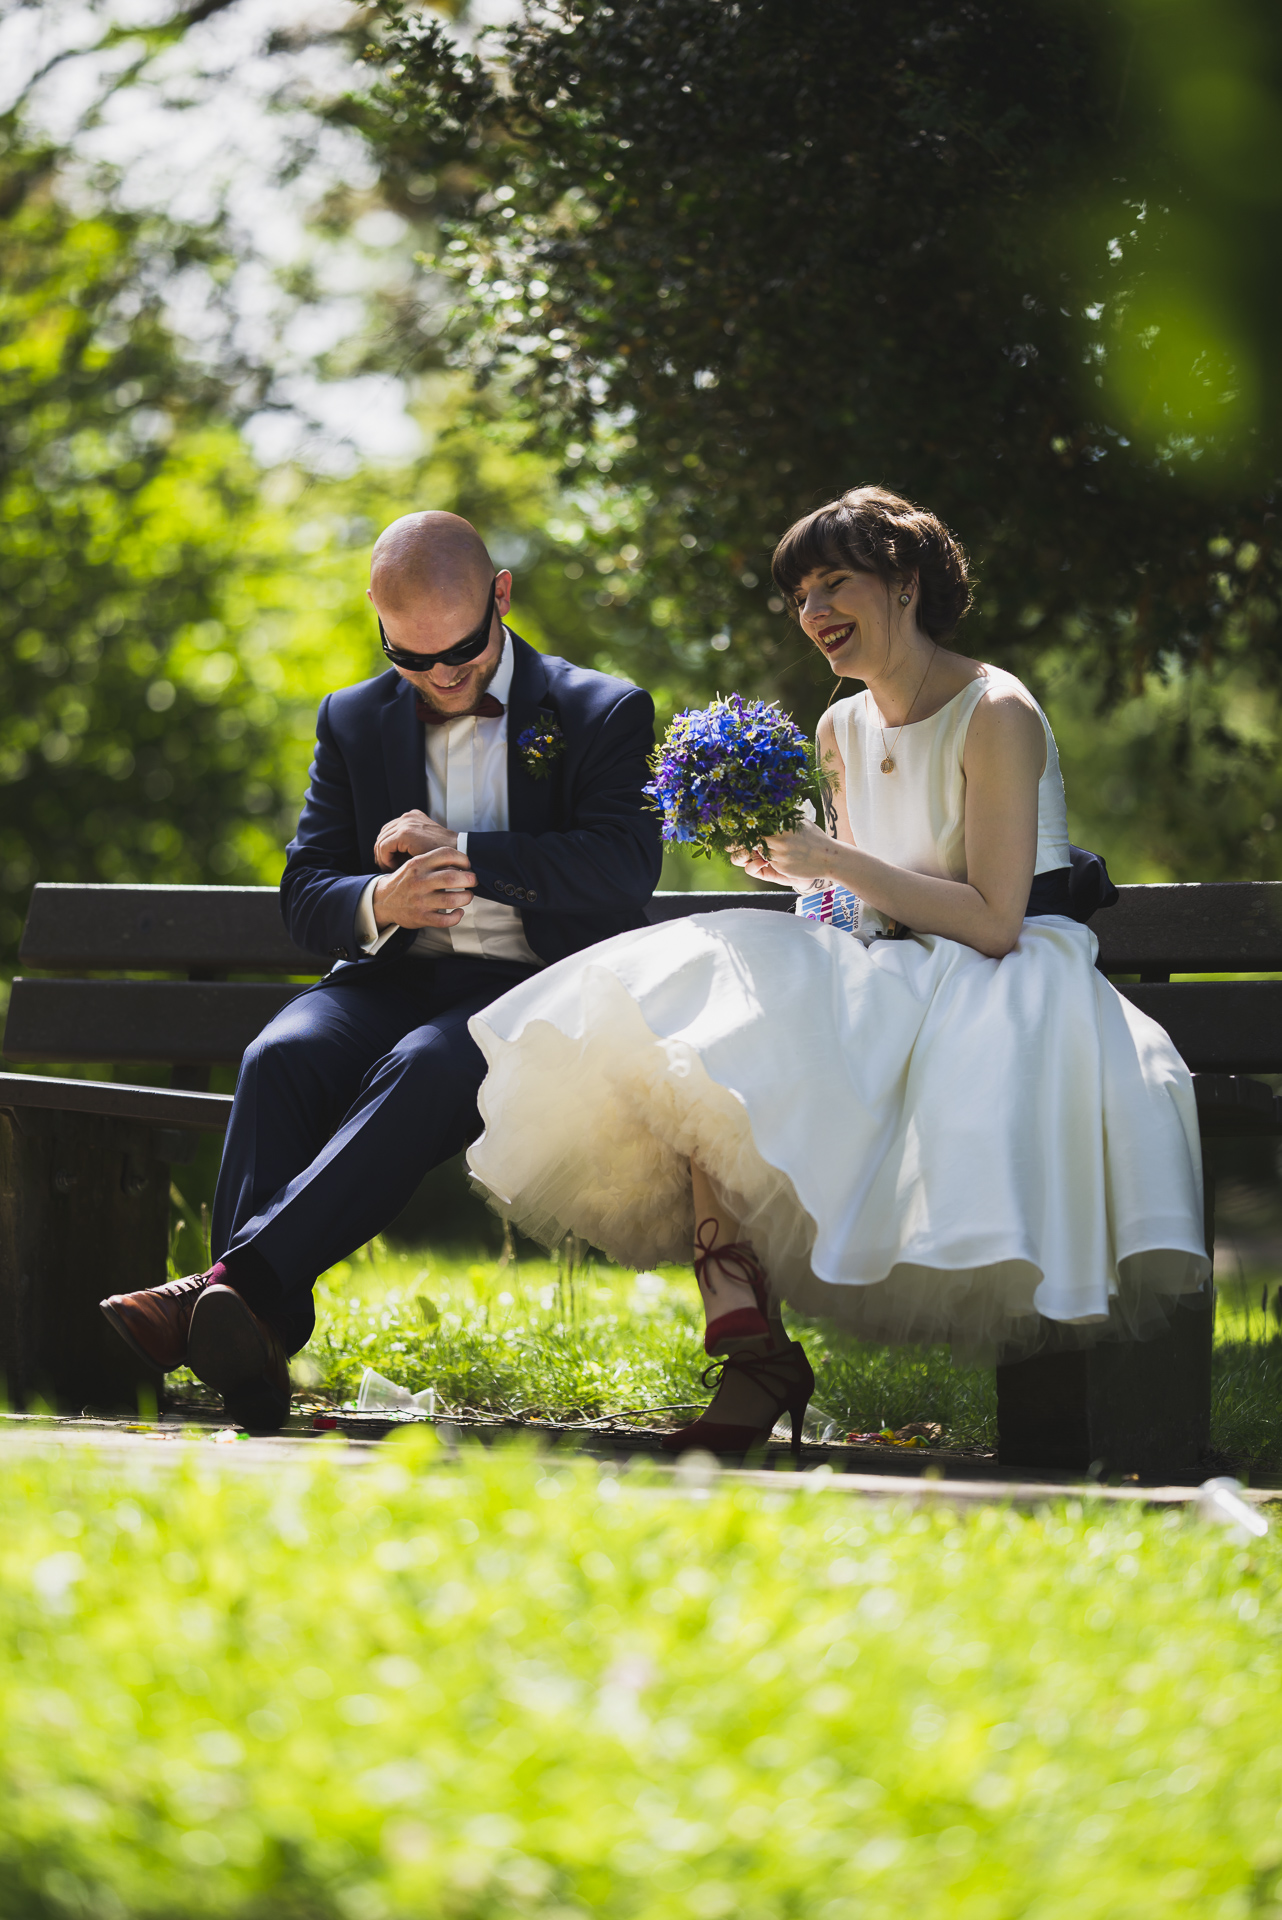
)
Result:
{"points": [[732, 774]]}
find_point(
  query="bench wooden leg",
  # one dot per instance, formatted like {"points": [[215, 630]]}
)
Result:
{"points": [[84, 1212], [1133, 1407]]}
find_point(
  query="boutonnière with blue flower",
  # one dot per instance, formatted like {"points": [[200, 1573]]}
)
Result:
{"points": [[541, 746]]}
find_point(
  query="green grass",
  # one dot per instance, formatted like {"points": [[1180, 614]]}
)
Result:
{"points": [[495, 1689], [535, 1338], [1246, 1404]]}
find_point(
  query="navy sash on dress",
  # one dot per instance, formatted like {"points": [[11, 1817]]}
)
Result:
{"points": [[1078, 890]]}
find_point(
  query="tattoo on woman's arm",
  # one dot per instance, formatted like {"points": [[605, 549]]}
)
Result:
{"points": [[830, 812]]}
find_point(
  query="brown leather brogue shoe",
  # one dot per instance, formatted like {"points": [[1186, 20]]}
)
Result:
{"points": [[155, 1322], [231, 1349]]}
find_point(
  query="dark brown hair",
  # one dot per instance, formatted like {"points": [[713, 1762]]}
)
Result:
{"points": [[873, 531]]}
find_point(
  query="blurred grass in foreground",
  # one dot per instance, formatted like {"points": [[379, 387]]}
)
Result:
{"points": [[497, 1688], [538, 1337]]}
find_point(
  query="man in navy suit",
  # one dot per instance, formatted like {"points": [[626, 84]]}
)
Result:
{"points": [[473, 814]]}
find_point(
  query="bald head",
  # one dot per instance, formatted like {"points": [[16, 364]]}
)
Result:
{"points": [[426, 558], [430, 580]]}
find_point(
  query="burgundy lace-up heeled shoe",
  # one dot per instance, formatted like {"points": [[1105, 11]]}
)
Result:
{"points": [[785, 1375], [779, 1370]]}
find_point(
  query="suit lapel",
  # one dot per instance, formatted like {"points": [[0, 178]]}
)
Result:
{"points": [[404, 765], [533, 806]]}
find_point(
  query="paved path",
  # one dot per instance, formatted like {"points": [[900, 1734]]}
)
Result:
{"points": [[954, 1480]]}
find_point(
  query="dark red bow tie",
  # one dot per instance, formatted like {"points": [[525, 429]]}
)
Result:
{"points": [[486, 708]]}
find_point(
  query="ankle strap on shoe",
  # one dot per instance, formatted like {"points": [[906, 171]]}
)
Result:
{"points": [[736, 1260]]}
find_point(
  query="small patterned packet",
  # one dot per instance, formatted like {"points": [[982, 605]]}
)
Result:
{"points": [[840, 908]]}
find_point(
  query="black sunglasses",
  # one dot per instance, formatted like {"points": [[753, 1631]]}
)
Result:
{"points": [[470, 647]]}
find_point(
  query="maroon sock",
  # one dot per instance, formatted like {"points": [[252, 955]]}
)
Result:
{"points": [[745, 1323]]}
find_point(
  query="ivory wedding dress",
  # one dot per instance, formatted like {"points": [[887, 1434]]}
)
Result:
{"points": [[922, 1143]]}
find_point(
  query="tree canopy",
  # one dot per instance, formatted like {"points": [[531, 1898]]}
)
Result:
{"points": [[170, 615], [134, 742], [729, 256]]}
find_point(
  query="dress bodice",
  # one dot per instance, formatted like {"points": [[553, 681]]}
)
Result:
{"points": [[915, 817]]}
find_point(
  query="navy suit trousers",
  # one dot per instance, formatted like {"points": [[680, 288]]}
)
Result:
{"points": [[353, 1092]]}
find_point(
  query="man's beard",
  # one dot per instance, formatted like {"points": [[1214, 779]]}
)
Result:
{"points": [[479, 687]]}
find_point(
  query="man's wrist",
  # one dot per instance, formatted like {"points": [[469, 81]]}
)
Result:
{"points": [[382, 918]]}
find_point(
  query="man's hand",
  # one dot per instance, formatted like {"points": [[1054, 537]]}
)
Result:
{"points": [[429, 890], [412, 833]]}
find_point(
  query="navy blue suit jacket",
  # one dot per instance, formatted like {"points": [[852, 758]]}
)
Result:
{"points": [[582, 853]]}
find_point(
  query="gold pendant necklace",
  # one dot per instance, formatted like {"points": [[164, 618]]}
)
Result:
{"points": [[888, 763]]}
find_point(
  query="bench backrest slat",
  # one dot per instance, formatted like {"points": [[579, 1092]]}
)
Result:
{"points": [[221, 929], [1224, 927], [1232, 1027], [180, 1021], [1211, 928], [1215, 927], [1219, 926]]}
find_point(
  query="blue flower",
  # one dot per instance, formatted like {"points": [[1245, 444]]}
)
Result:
{"points": [[541, 746], [731, 774]]}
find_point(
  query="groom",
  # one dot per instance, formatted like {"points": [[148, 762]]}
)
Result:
{"points": [[473, 814]]}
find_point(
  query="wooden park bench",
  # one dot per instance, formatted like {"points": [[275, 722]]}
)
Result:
{"points": [[85, 1164]]}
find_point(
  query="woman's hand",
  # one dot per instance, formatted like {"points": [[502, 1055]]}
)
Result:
{"points": [[789, 859], [759, 868]]}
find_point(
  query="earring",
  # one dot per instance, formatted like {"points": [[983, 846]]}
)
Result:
{"points": [[905, 599]]}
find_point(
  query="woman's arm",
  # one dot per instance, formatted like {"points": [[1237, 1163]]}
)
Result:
{"points": [[1004, 758]]}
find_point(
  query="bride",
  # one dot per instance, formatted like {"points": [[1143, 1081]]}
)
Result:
{"points": [[958, 1133]]}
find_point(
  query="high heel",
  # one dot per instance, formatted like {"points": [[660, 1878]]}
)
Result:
{"points": [[786, 1375]]}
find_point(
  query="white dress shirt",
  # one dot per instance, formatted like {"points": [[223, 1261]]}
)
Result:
{"points": [[466, 791]]}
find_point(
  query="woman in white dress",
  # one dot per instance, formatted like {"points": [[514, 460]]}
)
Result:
{"points": [[963, 1134]]}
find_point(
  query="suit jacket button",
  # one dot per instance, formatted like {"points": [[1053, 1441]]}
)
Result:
{"points": [[531, 895]]}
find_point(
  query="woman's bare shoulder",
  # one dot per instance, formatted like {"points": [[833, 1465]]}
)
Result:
{"points": [[1007, 718], [1005, 693]]}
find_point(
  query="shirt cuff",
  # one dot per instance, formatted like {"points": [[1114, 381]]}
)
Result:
{"points": [[367, 932], [462, 842]]}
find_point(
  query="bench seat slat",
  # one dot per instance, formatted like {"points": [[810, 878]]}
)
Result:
{"points": [[183, 1021], [162, 1106], [137, 929]]}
